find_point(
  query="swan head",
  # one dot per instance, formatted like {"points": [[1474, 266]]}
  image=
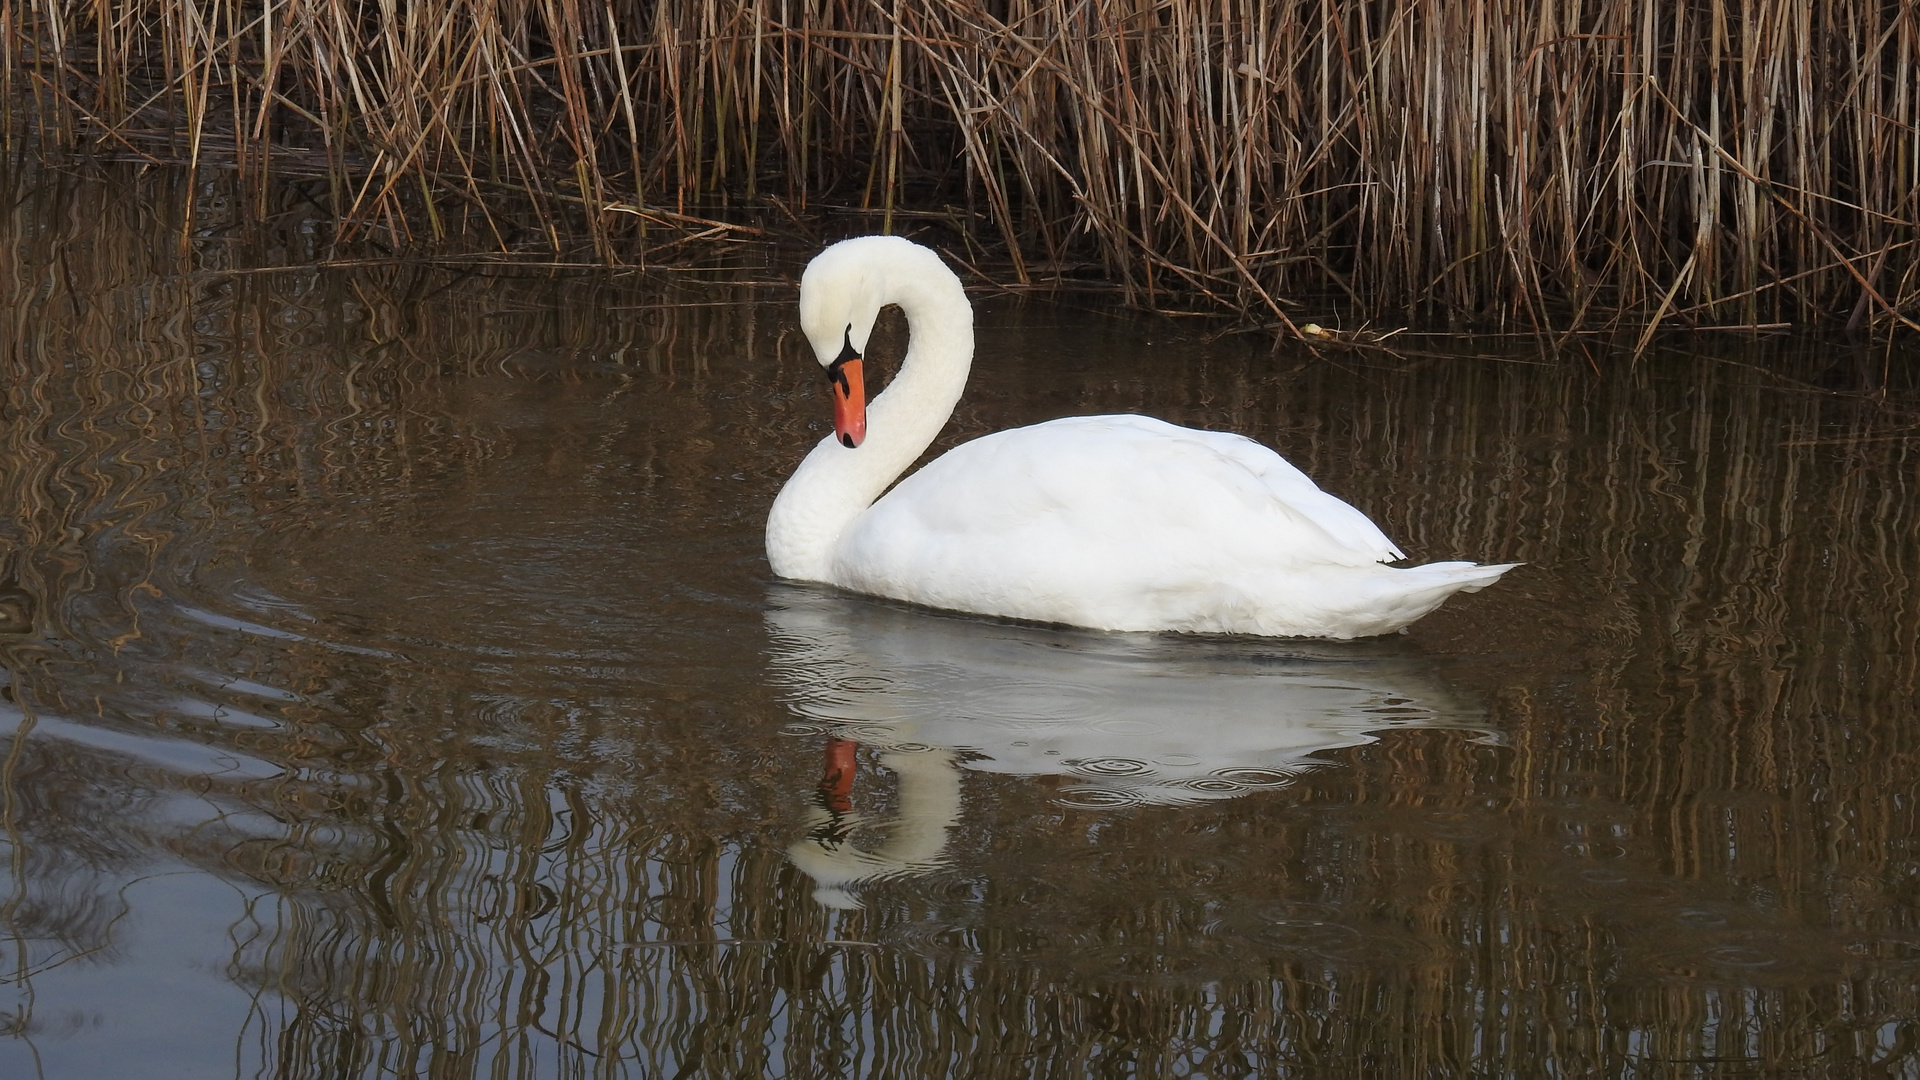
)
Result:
{"points": [[841, 294], [843, 290]]}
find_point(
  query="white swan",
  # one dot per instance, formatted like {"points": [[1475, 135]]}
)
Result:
{"points": [[1108, 522]]}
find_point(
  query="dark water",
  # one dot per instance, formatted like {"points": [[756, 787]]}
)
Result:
{"points": [[396, 688]]}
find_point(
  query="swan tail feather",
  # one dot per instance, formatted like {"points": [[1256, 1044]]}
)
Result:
{"points": [[1461, 576], [1400, 595]]}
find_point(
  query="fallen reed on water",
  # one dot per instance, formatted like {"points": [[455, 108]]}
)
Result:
{"points": [[1569, 164]]}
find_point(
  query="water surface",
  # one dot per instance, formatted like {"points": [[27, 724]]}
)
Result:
{"points": [[396, 688]]}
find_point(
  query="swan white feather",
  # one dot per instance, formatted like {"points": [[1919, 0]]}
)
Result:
{"points": [[1109, 522]]}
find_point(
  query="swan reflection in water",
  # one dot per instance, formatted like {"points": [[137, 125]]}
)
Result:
{"points": [[1122, 719]]}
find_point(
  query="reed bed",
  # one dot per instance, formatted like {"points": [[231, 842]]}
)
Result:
{"points": [[1570, 164]]}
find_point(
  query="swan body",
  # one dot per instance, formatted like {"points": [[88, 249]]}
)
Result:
{"points": [[1108, 522]]}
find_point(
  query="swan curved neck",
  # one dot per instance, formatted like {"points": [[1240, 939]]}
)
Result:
{"points": [[835, 484]]}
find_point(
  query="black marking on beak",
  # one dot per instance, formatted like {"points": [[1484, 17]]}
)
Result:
{"points": [[835, 375]]}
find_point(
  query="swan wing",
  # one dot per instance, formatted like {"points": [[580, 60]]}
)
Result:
{"points": [[1146, 474], [1293, 488], [1115, 521]]}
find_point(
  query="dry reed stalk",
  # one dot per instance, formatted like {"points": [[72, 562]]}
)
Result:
{"points": [[1571, 165]]}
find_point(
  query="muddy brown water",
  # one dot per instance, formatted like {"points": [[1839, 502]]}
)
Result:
{"points": [[395, 687]]}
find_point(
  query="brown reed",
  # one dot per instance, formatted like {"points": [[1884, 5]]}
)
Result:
{"points": [[1572, 164]]}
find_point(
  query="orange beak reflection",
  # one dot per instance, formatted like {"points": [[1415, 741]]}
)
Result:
{"points": [[849, 401]]}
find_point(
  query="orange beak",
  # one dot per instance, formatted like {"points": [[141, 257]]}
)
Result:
{"points": [[849, 402], [836, 784]]}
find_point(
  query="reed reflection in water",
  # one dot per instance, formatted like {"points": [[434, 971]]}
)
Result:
{"points": [[396, 690]]}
